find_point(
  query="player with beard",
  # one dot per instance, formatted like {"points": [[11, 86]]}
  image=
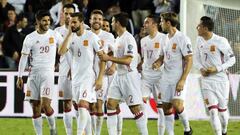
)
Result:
{"points": [[41, 45], [126, 83], [64, 80], [84, 45], [107, 40]]}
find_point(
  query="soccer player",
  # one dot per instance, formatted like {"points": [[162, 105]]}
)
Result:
{"points": [[107, 41], [150, 47], [41, 46], [126, 83], [64, 83], [106, 25], [83, 45], [177, 58], [213, 57]]}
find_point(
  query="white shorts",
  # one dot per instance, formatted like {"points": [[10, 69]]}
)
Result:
{"points": [[128, 87], [84, 91], [40, 84], [168, 92], [65, 87], [154, 88], [215, 93]]}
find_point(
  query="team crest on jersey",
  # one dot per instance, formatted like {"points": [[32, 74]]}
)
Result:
{"points": [[51, 40], [174, 47], [157, 45], [130, 47], [28, 93], [85, 42], [212, 48]]}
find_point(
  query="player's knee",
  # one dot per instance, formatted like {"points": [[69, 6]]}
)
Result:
{"points": [[111, 106], [135, 109], [67, 105], [167, 108]]}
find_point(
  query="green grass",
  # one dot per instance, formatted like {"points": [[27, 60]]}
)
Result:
{"points": [[23, 126]]}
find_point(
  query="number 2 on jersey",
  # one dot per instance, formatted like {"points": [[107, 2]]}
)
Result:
{"points": [[44, 49]]}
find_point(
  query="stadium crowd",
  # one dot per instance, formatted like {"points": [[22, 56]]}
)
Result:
{"points": [[17, 19]]}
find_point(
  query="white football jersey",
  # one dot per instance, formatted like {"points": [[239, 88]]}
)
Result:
{"points": [[215, 52], [176, 48], [64, 64], [107, 41], [83, 49], [151, 48], [42, 49], [126, 46]]}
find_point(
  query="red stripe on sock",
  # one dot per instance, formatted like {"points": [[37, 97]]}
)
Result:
{"points": [[138, 115], [83, 106], [222, 110], [169, 113], [67, 110], [213, 107], [93, 113], [49, 113], [113, 113]]}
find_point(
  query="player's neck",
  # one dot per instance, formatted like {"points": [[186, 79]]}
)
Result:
{"points": [[172, 32], [40, 31], [153, 33], [95, 31], [80, 32], [207, 36], [121, 31]]}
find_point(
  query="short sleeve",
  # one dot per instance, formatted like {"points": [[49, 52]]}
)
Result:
{"points": [[129, 45], [26, 45], [186, 47]]}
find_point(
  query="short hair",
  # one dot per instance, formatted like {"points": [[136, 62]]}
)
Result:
{"points": [[20, 17], [106, 20], [41, 13], [122, 18], [155, 18], [171, 17], [96, 11], [207, 22], [79, 15], [69, 6]]}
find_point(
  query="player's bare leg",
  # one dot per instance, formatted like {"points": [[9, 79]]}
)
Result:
{"points": [[67, 117], [169, 118], [112, 116], [83, 118], [46, 106], [37, 118], [141, 120], [178, 105]]}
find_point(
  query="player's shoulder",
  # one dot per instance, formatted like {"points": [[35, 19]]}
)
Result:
{"points": [[59, 28], [107, 34], [31, 35]]}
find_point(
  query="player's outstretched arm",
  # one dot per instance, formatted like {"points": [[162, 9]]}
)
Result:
{"points": [[21, 67], [98, 83]]}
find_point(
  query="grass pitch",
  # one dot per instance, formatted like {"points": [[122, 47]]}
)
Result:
{"points": [[23, 126]]}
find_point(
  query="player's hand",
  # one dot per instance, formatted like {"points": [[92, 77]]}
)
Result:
{"points": [[211, 70], [180, 85], [110, 70], [69, 29], [19, 83], [104, 57], [156, 65], [98, 84], [204, 72]]}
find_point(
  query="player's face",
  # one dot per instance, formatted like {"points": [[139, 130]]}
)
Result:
{"points": [[201, 29], [96, 21], [114, 24], [76, 25], [164, 25], [148, 25], [67, 12], [44, 23], [106, 26]]}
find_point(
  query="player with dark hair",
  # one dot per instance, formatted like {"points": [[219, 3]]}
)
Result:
{"points": [[213, 57]]}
